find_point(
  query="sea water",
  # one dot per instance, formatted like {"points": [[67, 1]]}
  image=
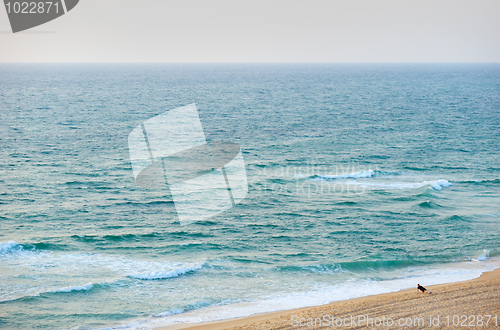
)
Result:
{"points": [[363, 179]]}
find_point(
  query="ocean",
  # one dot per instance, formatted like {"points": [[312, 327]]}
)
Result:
{"points": [[362, 179]]}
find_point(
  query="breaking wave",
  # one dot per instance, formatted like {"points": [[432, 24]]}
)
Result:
{"points": [[384, 183], [167, 274]]}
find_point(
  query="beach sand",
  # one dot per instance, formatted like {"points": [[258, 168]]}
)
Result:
{"points": [[458, 305]]}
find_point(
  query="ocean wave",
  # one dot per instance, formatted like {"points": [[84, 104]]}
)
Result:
{"points": [[86, 287], [170, 312], [42, 276], [429, 205], [10, 247], [75, 182], [349, 266], [322, 268], [45, 292], [482, 181], [456, 219], [440, 184], [138, 236], [85, 264], [167, 274], [146, 204], [116, 237], [435, 185], [354, 175]]}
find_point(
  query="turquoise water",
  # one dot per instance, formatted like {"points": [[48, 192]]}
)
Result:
{"points": [[363, 179]]}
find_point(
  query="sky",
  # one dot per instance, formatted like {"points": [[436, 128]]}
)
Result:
{"points": [[262, 31]]}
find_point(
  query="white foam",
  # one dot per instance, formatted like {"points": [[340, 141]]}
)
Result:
{"points": [[47, 266], [349, 289], [379, 181], [355, 175], [9, 246], [170, 312], [190, 243], [136, 325], [167, 274], [86, 287], [440, 184], [33, 292], [436, 185]]}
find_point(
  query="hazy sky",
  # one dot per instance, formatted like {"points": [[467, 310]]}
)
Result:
{"points": [[262, 31]]}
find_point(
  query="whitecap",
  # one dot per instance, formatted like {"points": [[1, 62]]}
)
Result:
{"points": [[436, 185], [86, 287], [354, 175], [167, 274], [440, 184], [9, 247]]}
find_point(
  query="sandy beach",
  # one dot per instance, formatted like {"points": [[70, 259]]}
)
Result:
{"points": [[470, 304]]}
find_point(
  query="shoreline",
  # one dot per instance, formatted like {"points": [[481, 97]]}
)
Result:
{"points": [[450, 303]]}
